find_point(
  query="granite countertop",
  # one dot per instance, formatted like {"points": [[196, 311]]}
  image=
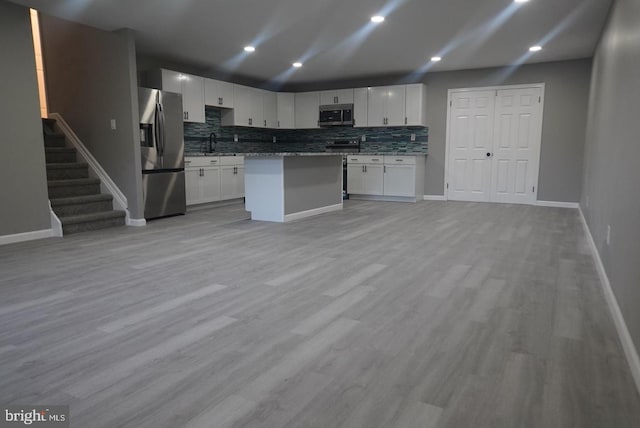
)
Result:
{"points": [[275, 154]]}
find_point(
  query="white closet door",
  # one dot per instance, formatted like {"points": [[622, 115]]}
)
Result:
{"points": [[470, 145], [516, 145]]}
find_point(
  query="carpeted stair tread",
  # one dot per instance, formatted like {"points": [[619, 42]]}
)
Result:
{"points": [[92, 217], [67, 165], [73, 182], [59, 150], [73, 200]]}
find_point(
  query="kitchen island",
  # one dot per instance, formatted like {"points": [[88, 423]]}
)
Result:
{"points": [[282, 187]]}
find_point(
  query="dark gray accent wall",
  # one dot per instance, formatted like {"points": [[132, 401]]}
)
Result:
{"points": [[91, 78], [23, 188], [612, 160], [307, 185], [563, 127]]}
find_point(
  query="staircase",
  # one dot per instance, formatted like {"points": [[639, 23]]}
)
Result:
{"points": [[74, 196]]}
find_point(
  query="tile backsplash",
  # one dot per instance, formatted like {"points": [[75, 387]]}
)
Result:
{"points": [[387, 139]]}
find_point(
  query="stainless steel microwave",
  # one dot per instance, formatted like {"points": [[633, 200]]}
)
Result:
{"points": [[336, 115]]}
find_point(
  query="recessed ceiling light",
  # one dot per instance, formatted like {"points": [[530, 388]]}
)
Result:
{"points": [[520, 1], [535, 48], [377, 19], [297, 64], [436, 58], [249, 49]]}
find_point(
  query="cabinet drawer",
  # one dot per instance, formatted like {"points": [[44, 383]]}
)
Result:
{"points": [[400, 160], [365, 159], [231, 160], [200, 161]]}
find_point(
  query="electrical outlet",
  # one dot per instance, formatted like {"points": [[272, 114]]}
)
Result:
{"points": [[363, 138], [274, 138], [235, 138], [608, 234], [113, 124], [413, 137]]}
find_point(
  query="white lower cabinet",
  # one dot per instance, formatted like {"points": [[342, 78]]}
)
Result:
{"points": [[365, 175], [232, 177], [213, 178], [386, 177], [202, 179]]}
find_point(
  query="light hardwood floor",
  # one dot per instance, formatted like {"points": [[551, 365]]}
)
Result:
{"points": [[436, 314]]}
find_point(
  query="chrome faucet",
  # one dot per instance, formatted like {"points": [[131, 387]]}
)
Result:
{"points": [[213, 141]]}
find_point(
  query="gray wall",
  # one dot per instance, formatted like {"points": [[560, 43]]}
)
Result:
{"points": [[23, 175], [563, 128], [612, 172], [91, 78], [304, 173]]}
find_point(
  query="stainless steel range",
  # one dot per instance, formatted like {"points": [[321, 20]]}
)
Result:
{"points": [[343, 146]]}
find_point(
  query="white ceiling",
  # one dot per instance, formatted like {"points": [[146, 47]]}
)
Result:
{"points": [[336, 40]]}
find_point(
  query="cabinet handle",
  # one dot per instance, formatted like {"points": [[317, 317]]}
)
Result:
{"points": [[398, 160], [362, 168], [384, 169], [220, 101], [375, 160], [405, 120], [278, 124], [265, 123]]}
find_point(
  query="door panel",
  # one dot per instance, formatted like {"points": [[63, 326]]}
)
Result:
{"points": [[518, 126], [471, 134]]}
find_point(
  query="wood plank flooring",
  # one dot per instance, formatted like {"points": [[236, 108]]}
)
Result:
{"points": [[436, 314]]}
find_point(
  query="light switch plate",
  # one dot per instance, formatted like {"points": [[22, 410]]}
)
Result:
{"points": [[413, 137], [363, 138], [113, 125], [235, 138], [274, 138]]}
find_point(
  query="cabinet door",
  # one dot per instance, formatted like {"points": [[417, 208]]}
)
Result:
{"points": [[415, 104], [286, 110], [211, 184], [227, 182], [373, 180], [376, 104], [225, 92], [307, 110], [256, 108], [400, 180], [192, 185], [242, 106], [344, 96], [327, 97], [239, 182], [270, 109], [171, 81], [360, 107], [395, 105], [355, 176], [193, 98]]}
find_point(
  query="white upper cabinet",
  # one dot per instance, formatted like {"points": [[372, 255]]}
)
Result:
{"points": [[248, 109], [218, 93], [286, 110], [416, 108], [191, 87], [386, 106], [338, 96], [360, 107], [270, 109], [307, 105]]}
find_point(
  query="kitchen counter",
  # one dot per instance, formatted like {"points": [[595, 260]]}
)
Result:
{"points": [[286, 186], [307, 154]]}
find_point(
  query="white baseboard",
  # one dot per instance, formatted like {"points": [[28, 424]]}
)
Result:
{"points": [[137, 222], [381, 198], [628, 346], [434, 198], [27, 236], [309, 213], [555, 204]]}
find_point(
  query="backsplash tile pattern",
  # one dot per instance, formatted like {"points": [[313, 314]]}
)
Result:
{"points": [[387, 139]]}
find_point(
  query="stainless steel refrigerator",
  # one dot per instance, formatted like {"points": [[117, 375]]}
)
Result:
{"points": [[162, 149]]}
